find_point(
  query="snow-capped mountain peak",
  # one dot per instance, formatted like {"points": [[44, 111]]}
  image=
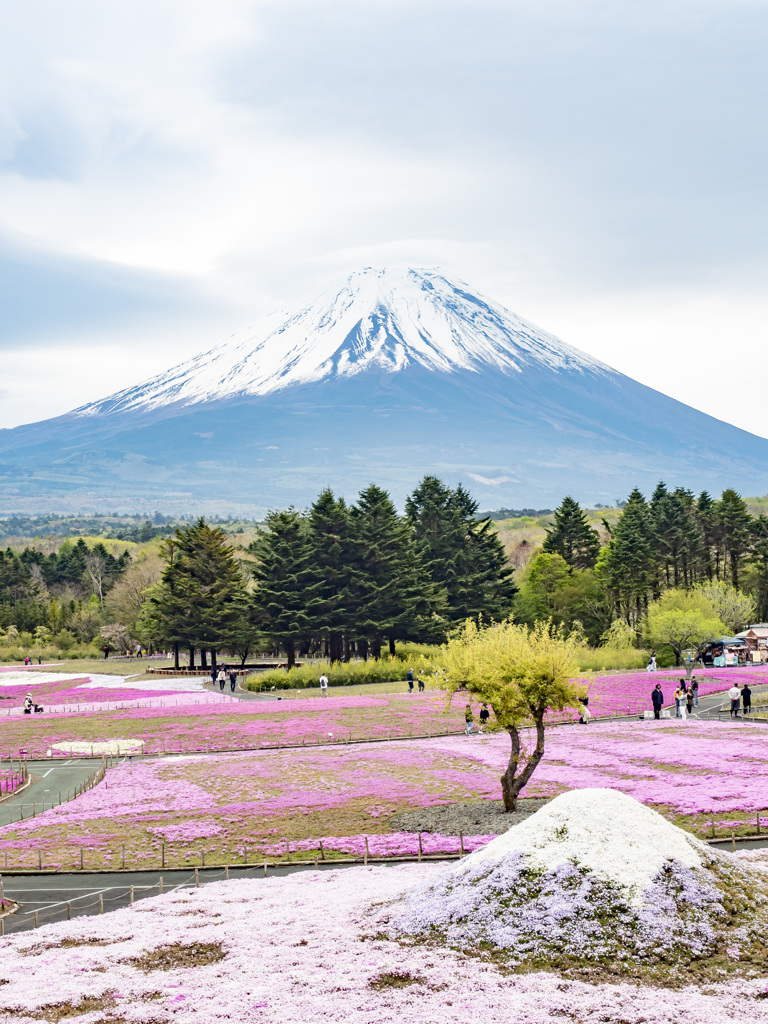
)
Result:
{"points": [[384, 319]]}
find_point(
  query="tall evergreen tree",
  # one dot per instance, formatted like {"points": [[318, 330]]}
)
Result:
{"points": [[627, 564], [463, 554], [392, 590], [332, 552], [736, 526], [285, 599], [200, 597], [572, 537]]}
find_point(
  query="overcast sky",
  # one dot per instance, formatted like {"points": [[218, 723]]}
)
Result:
{"points": [[171, 170]]}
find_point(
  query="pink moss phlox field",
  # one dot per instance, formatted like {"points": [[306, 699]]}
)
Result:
{"points": [[685, 769], [305, 949]]}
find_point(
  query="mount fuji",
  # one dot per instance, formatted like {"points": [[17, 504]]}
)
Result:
{"points": [[390, 376]]}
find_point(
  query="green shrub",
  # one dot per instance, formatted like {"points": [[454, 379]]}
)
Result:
{"points": [[385, 670]]}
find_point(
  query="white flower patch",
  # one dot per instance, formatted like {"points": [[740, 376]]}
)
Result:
{"points": [[114, 747], [602, 830]]}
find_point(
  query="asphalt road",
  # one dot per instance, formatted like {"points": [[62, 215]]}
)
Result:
{"points": [[48, 779]]}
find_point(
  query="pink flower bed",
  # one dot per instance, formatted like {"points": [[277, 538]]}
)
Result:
{"points": [[224, 803], [304, 949]]}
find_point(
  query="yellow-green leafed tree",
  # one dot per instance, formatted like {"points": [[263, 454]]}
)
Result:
{"points": [[522, 673]]}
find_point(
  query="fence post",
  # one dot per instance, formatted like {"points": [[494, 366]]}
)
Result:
{"points": [[202, 857], [226, 872], [758, 822], [69, 911], [733, 841], [265, 867], [322, 851], [123, 856], [287, 850], [39, 859], [162, 855], [197, 879], [160, 886], [2, 895], [461, 844], [131, 895], [365, 859], [419, 845], [245, 853], [35, 919], [81, 858], [101, 903]]}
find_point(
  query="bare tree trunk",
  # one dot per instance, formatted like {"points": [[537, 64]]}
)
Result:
{"points": [[203, 661], [213, 657], [176, 655], [511, 782], [392, 650], [191, 657], [290, 650], [376, 648]]}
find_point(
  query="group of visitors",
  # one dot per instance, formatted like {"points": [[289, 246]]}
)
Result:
{"points": [[221, 675], [30, 706], [410, 680], [686, 698], [740, 695], [469, 719]]}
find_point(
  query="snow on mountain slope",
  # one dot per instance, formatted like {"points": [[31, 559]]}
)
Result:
{"points": [[383, 319]]}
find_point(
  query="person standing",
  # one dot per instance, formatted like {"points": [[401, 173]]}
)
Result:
{"points": [[678, 702], [323, 685], [735, 697], [105, 648], [652, 662], [468, 720], [657, 699], [689, 702], [485, 714], [409, 677], [421, 682], [222, 679], [746, 699], [695, 691], [585, 714], [232, 679], [213, 675]]}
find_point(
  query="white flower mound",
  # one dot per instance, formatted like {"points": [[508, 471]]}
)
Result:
{"points": [[594, 877], [602, 830]]}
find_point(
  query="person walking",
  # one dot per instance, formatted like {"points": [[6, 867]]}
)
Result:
{"points": [[232, 679], [421, 682], [657, 699], [323, 685], [213, 675], [735, 697], [652, 662], [409, 677], [695, 691], [485, 714], [585, 714], [689, 702], [222, 679], [746, 699], [468, 720]]}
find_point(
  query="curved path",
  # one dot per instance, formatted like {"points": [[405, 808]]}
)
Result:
{"points": [[49, 778]]}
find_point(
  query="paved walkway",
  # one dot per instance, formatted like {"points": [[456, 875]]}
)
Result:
{"points": [[48, 779]]}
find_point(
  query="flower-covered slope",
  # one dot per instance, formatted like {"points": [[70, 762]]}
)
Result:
{"points": [[306, 949], [596, 880]]}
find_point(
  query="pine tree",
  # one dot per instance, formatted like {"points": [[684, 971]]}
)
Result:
{"points": [[200, 597], [463, 555], [736, 526], [286, 584], [627, 564], [332, 551], [572, 537], [394, 597]]}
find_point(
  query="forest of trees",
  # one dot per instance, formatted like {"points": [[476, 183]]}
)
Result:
{"points": [[672, 541], [352, 579], [337, 579]]}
